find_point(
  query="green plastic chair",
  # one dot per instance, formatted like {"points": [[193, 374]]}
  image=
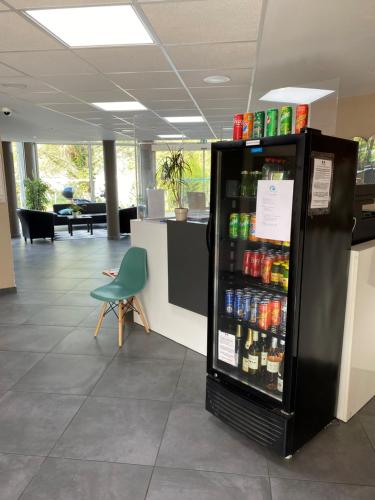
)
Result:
{"points": [[130, 280]]}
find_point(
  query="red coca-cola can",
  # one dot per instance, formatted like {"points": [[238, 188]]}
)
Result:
{"points": [[266, 269], [255, 266], [246, 262], [275, 306], [237, 127], [264, 317], [302, 117]]}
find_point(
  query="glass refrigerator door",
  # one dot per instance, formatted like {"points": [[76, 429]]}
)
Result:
{"points": [[254, 195]]}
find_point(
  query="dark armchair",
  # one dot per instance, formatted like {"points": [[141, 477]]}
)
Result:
{"points": [[36, 224], [125, 215]]}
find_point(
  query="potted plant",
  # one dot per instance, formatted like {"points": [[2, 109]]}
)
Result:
{"points": [[76, 210], [172, 172], [36, 193]]}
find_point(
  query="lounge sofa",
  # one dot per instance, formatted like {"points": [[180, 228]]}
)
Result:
{"points": [[98, 213], [36, 224]]}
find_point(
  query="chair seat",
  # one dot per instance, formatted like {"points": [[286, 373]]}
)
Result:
{"points": [[112, 292]]}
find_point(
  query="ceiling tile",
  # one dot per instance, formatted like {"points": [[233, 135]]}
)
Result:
{"points": [[125, 59], [165, 105], [213, 56], [162, 94], [147, 80], [5, 71], [44, 63], [69, 107], [19, 84], [222, 103], [3, 7], [79, 83], [179, 112], [43, 97], [103, 95], [237, 77], [18, 34], [187, 22], [220, 92], [35, 4]]}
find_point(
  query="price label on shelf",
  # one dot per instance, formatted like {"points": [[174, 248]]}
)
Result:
{"points": [[227, 348]]}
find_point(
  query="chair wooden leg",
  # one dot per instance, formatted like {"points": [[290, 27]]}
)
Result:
{"points": [[120, 323], [139, 308], [127, 307], [101, 317]]}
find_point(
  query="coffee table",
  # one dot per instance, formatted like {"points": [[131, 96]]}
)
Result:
{"points": [[80, 220]]}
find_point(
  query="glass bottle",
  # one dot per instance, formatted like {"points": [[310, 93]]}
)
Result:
{"points": [[273, 364], [263, 354], [280, 377], [245, 352], [244, 183], [238, 345], [254, 357]]}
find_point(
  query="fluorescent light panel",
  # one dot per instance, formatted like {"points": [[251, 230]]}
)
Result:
{"points": [[295, 95], [172, 136], [184, 119], [94, 26], [120, 106]]}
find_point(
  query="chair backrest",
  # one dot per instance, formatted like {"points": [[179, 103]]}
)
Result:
{"points": [[133, 269]]}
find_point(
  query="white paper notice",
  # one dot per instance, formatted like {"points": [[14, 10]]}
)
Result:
{"points": [[321, 183], [274, 210], [227, 348]]}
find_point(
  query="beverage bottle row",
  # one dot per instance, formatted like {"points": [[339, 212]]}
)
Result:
{"points": [[266, 124], [243, 226], [266, 310], [273, 169], [261, 361]]}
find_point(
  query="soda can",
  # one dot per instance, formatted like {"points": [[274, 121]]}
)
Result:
{"points": [[255, 264], [264, 317], [271, 122], [263, 255], [275, 306], [283, 311], [258, 127], [246, 262], [234, 225], [302, 117], [286, 113], [247, 128], [253, 219], [229, 301], [238, 304], [266, 270], [255, 301], [244, 226], [237, 127], [275, 271], [246, 306]]}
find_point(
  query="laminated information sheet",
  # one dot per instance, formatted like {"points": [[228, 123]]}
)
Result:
{"points": [[321, 184], [227, 348]]}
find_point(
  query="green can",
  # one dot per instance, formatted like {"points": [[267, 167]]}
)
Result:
{"points": [[271, 122], [286, 114], [258, 127], [244, 226], [234, 225]]}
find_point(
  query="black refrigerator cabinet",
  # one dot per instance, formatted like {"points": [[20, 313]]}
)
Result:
{"points": [[279, 239]]}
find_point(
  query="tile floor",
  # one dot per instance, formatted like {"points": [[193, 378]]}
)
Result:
{"points": [[80, 420]]}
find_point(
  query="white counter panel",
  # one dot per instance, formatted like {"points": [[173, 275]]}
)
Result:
{"points": [[182, 326], [357, 376]]}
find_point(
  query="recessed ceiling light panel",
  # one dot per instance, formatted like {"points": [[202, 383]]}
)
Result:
{"points": [[172, 136], [94, 26], [295, 95], [120, 106], [216, 79], [184, 119]]}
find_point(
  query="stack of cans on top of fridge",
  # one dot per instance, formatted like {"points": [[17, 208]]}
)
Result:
{"points": [[266, 310]]}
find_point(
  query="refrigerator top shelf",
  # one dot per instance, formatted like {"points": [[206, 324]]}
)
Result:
{"points": [[239, 280]]}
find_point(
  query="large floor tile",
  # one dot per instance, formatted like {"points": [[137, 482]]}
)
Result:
{"points": [[64, 374], [16, 471], [28, 297], [173, 484], [55, 284], [368, 423], [140, 378], [116, 430], [78, 480], [287, 489], [16, 314], [60, 315], [13, 365], [76, 299], [30, 424], [81, 340], [89, 284], [109, 322], [194, 439], [340, 453], [34, 338], [369, 408], [192, 383], [151, 345]]}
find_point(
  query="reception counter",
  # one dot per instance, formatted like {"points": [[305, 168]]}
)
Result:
{"points": [[175, 298]]}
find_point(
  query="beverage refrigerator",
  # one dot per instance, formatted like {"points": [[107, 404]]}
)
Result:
{"points": [[279, 238]]}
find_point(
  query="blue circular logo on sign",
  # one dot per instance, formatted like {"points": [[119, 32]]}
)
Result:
{"points": [[272, 188]]}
